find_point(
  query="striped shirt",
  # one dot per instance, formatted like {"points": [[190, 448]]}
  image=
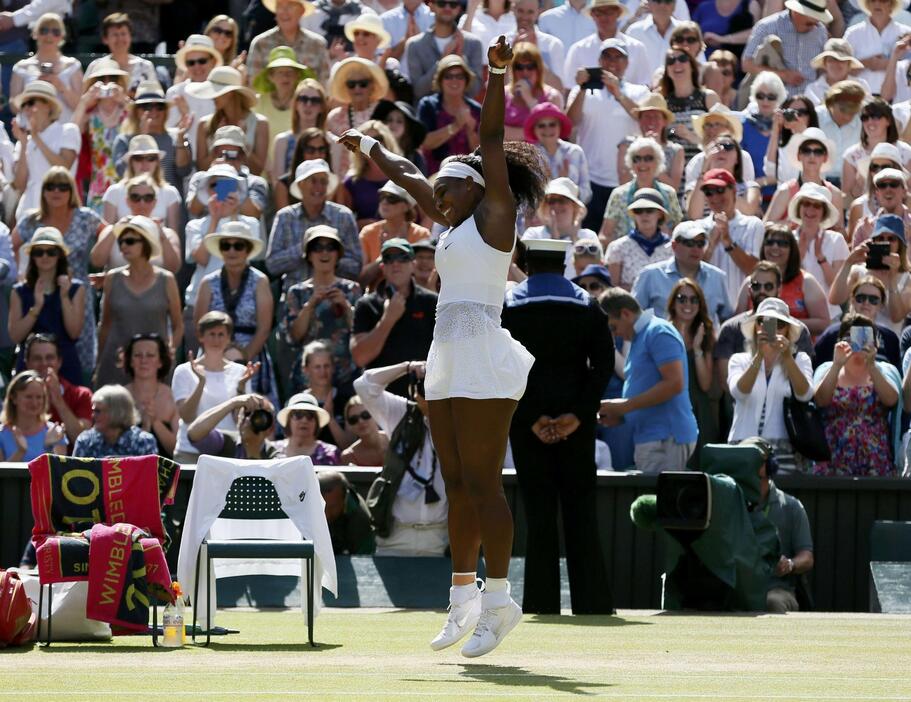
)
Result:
{"points": [[797, 49]]}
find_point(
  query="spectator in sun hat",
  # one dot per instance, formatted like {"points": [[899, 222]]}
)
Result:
{"points": [[313, 181], [839, 119], [142, 157], [302, 419], [331, 17], [548, 128], [873, 38], [425, 264], [801, 27], [836, 63], [195, 60], [887, 197], [367, 35], [310, 47], [405, 126], [594, 279], [561, 212], [275, 85], [645, 242]]}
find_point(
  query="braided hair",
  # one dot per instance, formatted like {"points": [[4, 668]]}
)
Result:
{"points": [[528, 176]]}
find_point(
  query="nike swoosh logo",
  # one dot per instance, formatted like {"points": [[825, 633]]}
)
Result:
{"points": [[447, 246]]}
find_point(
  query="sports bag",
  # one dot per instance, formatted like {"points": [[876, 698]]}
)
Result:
{"points": [[17, 620]]}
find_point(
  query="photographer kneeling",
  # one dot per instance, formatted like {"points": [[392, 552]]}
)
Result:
{"points": [[255, 417]]}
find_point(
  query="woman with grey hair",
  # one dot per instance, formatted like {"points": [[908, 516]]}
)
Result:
{"points": [[645, 161], [114, 432], [766, 95]]}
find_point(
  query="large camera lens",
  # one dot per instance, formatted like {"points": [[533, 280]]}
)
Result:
{"points": [[261, 420]]}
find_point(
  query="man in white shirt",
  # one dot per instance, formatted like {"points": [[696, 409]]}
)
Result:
{"points": [[405, 21], [839, 119], [603, 120], [569, 22], [874, 39], [735, 239], [551, 48], [585, 53], [654, 31]]}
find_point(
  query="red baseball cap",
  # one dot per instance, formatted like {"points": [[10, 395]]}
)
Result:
{"points": [[719, 176]]}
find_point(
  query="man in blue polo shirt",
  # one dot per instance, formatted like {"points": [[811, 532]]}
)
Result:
{"points": [[656, 399], [654, 283]]}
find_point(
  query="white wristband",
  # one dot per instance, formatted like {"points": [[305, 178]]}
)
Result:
{"points": [[497, 71], [367, 144]]}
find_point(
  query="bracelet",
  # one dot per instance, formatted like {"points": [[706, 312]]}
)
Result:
{"points": [[367, 144], [497, 71], [698, 354], [821, 261]]}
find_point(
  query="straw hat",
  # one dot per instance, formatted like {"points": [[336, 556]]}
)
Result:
{"points": [[777, 309], [838, 49], [564, 187], [197, 43], [309, 7], [232, 230], [543, 110], [323, 231], [846, 90], [43, 91], [607, 3], [143, 226], [310, 168], [105, 67], [897, 6], [815, 193], [721, 110], [654, 102], [220, 171], [368, 23], [46, 236], [647, 199], [230, 135], [280, 57], [355, 64], [452, 61], [809, 134], [307, 402], [815, 9], [222, 80], [142, 145]]}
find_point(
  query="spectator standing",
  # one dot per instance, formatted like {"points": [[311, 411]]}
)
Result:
{"points": [[302, 419], [654, 31], [801, 29], [767, 92], [195, 60], [26, 432], [309, 47], [117, 35], [360, 189], [488, 19], [796, 114], [569, 22], [309, 111], [526, 89], [877, 127], [873, 39], [224, 34], [402, 22], [562, 212], [685, 97], [839, 119], [603, 121], [148, 364], [229, 148], [655, 394], [836, 63], [143, 156], [551, 48], [727, 23], [861, 216], [276, 85]]}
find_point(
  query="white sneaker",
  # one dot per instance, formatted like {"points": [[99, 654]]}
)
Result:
{"points": [[463, 617], [493, 626]]}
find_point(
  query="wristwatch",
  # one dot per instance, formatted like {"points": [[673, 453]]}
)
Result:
{"points": [[790, 566], [730, 248]]}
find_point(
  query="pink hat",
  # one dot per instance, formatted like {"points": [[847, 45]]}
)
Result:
{"points": [[541, 111]]}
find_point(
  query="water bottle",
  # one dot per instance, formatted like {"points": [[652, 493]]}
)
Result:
{"points": [[174, 633]]}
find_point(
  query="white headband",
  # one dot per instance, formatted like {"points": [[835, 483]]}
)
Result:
{"points": [[458, 169]]}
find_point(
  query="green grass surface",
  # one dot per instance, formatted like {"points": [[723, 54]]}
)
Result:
{"points": [[383, 655]]}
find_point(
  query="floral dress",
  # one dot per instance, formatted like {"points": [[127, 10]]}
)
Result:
{"points": [[104, 172], [242, 309], [80, 237], [857, 431], [326, 323]]}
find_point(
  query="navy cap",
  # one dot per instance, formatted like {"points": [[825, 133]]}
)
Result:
{"points": [[889, 224], [594, 270]]}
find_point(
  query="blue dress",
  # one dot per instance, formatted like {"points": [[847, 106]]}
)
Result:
{"points": [[244, 316], [50, 321]]}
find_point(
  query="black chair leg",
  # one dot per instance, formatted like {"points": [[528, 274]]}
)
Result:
{"points": [[196, 595], [310, 576], [208, 600], [155, 624]]}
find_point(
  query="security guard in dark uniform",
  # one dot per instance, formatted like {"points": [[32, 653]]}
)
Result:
{"points": [[553, 429]]}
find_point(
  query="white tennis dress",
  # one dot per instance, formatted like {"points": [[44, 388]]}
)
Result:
{"points": [[472, 355]]}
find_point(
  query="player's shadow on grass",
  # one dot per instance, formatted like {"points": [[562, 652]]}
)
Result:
{"points": [[514, 676], [587, 620]]}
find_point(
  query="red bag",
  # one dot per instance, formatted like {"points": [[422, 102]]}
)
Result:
{"points": [[17, 620]]}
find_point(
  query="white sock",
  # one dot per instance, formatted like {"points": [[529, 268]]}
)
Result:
{"points": [[459, 594], [461, 576], [496, 593]]}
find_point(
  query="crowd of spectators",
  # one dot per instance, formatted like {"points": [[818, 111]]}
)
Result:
{"points": [[189, 244]]}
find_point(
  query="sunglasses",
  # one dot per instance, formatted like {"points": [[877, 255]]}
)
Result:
{"points": [[645, 158], [50, 251], [799, 111], [396, 258], [359, 83], [316, 149], [767, 287], [448, 3], [861, 298], [57, 187], [780, 243], [547, 124], [142, 197], [221, 30], [55, 31], [679, 58], [302, 414], [196, 62], [323, 247], [726, 145], [128, 241], [524, 66], [152, 107], [687, 40], [309, 99], [391, 199], [455, 75], [31, 101], [592, 287], [692, 243], [712, 192], [868, 117], [877, 167], [813, 150], [225, 245], [148, 158], [894, 184], [355, 418], [686, 299], [766, 96], [590, 249]]}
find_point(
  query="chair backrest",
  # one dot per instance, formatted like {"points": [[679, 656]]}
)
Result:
{"points": [[252, 497]]}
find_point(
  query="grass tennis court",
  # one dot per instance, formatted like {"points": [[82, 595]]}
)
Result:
{"points": [[383, 655]]}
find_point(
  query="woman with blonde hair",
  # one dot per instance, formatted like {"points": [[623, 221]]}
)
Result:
{"points": [[726, 62], [143, 157], [50, 65], [360, 190], [26, 432], [357, 86], [234, 103], [309, 110], [370, 446], [224, 33], [526, 89]]}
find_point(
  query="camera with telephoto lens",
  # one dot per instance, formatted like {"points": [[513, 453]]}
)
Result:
{"points": [[46, 68], [261, 420], [789, 115], [107, 90]]}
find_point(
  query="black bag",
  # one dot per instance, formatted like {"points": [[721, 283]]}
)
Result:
{"points": [[806, 429], [406, 439]]}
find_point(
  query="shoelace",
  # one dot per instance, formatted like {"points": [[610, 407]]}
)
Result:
{"points": [[484, 623]]}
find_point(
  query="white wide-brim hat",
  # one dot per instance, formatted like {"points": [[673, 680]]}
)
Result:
{"points": [[809, 134], [368, 23], [222, 80], [232, 230], [219, 171], [564, 187], [303, 401], [46, 236], [145, 227], [776, 308], [197, 43], [355, 64], [309, 168], [816, 193], [809, 8]]}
